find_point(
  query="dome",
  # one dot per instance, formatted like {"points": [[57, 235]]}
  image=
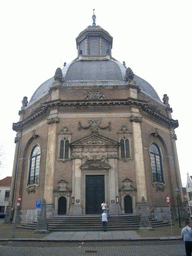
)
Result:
{"points": [[94, 73], [94, 66]]}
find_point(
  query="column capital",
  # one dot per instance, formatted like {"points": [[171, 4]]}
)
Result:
{"points": [[136, 119]]}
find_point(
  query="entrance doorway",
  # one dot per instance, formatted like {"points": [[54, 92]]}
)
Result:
{"points": [[62, 202], [128, 204], [94, 193]]}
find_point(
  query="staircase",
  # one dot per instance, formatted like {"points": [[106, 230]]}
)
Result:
{"points": [[93, 223]]}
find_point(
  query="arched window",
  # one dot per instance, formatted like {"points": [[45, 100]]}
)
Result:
{"points": [[34, 166], [156, 164], [64, 149], [125, 151]]}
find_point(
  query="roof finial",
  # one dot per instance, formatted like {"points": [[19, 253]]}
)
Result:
{"points": [[94, 18]]}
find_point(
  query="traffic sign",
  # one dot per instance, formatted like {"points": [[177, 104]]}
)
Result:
{"points": [[168, 199], [18, 200], [38, 204]]}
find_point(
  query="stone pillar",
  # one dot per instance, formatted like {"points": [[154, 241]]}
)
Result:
{"points": [[76, 208], [42, 225], [139, 158], [50, 162], [113, 187], [14, 173], [176, 163]]}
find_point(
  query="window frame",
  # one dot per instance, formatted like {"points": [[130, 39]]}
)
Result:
{"points": [[156, 164], [127, 154], [64, 153], [64, 149], [37, 161]]}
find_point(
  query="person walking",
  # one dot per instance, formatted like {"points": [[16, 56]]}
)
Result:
{"points": [[104, 220], [186, 234], [103, 206]]}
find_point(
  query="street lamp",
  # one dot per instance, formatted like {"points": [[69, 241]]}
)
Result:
{"points": [[177, 193]]}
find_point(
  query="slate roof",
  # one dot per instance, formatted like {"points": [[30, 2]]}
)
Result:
{"points": [[94, 70], [94, 73]]}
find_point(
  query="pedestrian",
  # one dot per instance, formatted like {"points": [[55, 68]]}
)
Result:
{"points": [[103, 206], [104, 220], [186, 234], [108, 215]]}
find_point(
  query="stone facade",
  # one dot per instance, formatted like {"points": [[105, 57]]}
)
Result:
{"points": [[100, 128]]}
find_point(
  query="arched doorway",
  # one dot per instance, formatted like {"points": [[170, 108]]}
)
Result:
{"points": [[128, 204], [62, 202]]}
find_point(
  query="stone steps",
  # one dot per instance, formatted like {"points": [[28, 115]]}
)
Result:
{"points": [[93, 223]]}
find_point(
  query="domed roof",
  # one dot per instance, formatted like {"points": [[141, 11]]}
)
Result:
{"points": [[94, 66], [94, 73]]}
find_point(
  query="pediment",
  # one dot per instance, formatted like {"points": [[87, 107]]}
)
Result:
{"points": [[95, 139]]}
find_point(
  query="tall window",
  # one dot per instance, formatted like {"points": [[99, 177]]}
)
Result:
{"points": [[34, 166], [125, 151], [64, 149], [156, 164]]}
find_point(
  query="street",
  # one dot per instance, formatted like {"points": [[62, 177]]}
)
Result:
{"points": [[110, 248]]}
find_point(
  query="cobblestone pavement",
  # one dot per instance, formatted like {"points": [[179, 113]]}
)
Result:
{"points": [[171, 248]]}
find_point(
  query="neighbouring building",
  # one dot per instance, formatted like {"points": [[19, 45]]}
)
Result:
{"points": [[5, 185], [95, 132], [189, 193]]}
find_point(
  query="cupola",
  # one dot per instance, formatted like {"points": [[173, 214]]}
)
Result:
{"points": [[94, 41]]}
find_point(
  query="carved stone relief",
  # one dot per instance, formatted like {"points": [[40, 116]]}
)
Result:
{"points": [[94, 95], [159, 186], [94, 125]]}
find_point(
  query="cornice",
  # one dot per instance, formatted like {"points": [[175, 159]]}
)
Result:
{"points": [[95, 102], [35, 114], [173, 123]]}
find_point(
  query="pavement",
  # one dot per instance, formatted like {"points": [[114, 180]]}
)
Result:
{"points": [[93, 236], [104, 236]]}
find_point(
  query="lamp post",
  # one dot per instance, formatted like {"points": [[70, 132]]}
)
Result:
{"points": [[177, 193]]}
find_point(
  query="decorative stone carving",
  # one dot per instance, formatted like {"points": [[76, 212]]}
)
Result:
{"points": [[124, 130], [95, 165], [24, 102], [154, 108], [62, 187], [64, 130], [94, 95], [94, 146], [127, 185], [58, 75], [129, 75], [34, 135], [166, 100], [31, 189], [156, 133], [159, 186], [174, 136], [136, 119], [94, 125], [52, 120]]}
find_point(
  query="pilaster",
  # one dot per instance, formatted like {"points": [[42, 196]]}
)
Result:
{"points": [[113, 187], [76, 208], [138, 155], [50, 159]]}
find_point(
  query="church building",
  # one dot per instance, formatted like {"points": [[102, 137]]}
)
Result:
{"points": [[94, 132]]}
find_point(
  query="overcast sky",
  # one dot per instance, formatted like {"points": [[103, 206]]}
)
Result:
{"points": [[153, 37]]}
